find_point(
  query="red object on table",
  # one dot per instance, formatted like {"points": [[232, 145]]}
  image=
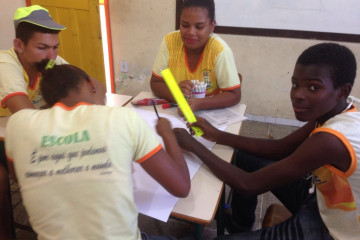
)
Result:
{"points": [[149, 101]]}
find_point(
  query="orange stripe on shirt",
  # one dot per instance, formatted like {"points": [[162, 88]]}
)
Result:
{"points": [[348, 146], [230, 88], [35, 82], [59, 104], [197, 65], [3, 105], [157, 75], [150, 154]]}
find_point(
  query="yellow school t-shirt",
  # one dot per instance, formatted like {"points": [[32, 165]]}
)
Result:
{"points": [[15, 81], [74, 166], [216, 66]]}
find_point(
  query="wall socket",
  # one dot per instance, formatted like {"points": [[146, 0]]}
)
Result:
{"points": [[124, 66]]}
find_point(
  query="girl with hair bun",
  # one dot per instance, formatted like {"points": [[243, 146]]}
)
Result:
{"points": [[74, 160]]}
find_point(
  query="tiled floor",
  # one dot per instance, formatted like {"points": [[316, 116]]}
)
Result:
{"points": [[176, 227]]}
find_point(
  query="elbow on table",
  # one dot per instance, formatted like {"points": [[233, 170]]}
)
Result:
{"points": [[182, 191], [235, 96]]}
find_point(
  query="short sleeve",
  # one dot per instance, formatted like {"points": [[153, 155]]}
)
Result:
{"points": [[225, 70], [11, 80], [145, 141], [162, 59]]}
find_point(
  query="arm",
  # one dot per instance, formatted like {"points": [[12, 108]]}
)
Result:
{"points": [[161, 90], [169, 167], [221, 100], [18, 102], [270, 148], [312, 154]]}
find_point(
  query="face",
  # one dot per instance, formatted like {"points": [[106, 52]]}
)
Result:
{"points": [[195, 27], [313, 95], [40, 46]]}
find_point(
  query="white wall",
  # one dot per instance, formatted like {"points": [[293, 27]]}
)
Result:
{"points": [[266, 63], [138, 28], [6, 18]]}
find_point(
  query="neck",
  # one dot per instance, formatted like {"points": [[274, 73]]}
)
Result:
{"points": [[344, 106], [74, 97], [197, 51]]}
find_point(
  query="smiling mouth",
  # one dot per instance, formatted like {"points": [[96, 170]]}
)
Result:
{"points": [[191, 41], [299, 109]]}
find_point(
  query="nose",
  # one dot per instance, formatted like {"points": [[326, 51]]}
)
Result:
{"points": [[192, 30], [298, 93], [51, 53]]}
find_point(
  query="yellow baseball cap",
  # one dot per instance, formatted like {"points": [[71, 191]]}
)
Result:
{"points": [[36, 15]]}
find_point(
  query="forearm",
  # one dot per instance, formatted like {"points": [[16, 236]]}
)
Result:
{"points": [[174, 151], [226, 172], [262, 147], [221, 100], [19, 102], [160, 90]]}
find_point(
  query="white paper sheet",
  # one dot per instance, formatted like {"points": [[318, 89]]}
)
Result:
{"points": [[150, 197], [222, 117]]}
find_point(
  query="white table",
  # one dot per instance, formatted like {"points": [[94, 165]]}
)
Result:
{"points": [[113, 99], [201, 204]]}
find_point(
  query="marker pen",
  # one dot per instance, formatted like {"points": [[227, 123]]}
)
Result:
{"points": [[169, 105]]}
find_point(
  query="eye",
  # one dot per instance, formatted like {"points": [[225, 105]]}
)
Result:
{"points": [[184, 25], [294, 85], [313, 88], [199, 27]]}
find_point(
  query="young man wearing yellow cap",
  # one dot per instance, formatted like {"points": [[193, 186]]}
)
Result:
{"points": [[36, 39]]}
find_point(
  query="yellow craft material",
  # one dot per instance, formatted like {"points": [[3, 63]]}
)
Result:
{"points": [[180, 99]]}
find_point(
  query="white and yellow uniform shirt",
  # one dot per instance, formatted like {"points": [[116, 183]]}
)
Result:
{"points": [[338, 193], [216, 66], [15, 81], [74, 168]]}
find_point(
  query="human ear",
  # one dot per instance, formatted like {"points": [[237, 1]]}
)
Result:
{"points": [[345, 90], [18, 45], [92, 84], [212, 25]]}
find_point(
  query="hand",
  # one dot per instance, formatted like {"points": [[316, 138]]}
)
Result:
{"points": [[185, 140], [163, 126], [210, 132], [186, 87], [193, 104]]}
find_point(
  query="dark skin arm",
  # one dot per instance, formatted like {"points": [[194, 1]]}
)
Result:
{"points": [[169, 167], [18, 102], [314, 152], [269, 148], [222, 100]]}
